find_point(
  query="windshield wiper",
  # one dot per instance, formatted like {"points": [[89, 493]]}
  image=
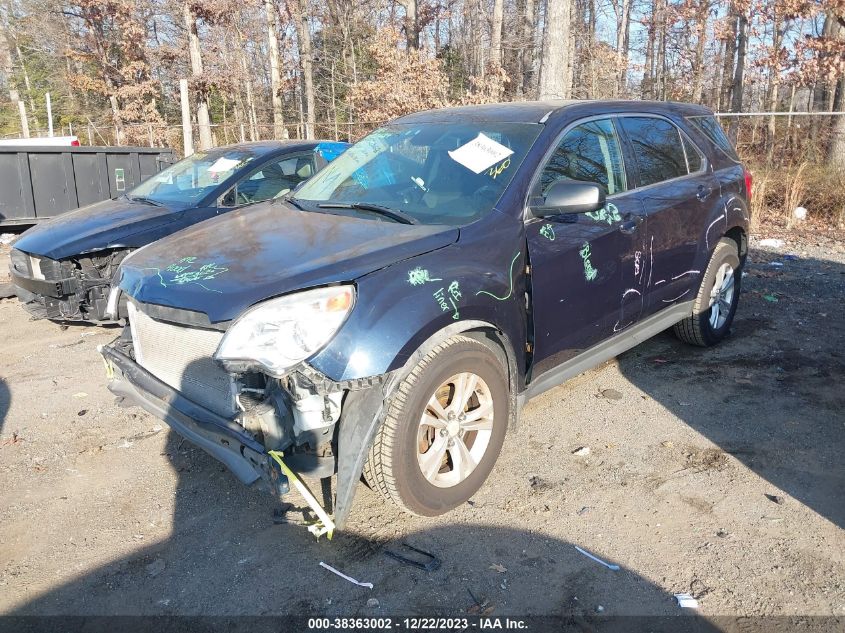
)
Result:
{"points": [[290, 200], [393, 214], [154, 203]]}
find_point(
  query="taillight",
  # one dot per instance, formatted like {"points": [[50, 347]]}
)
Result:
{"points": [[748, 182]]}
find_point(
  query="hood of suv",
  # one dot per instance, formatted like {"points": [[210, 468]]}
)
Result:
{"points": [[106, 224], [224, 265]]}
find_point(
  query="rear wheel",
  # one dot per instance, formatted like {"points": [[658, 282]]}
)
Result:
{"points": [[444, 429], [717, 300]]}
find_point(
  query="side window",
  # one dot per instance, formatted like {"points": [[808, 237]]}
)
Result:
{"points": [[694, 158], [271, 180], [657, 148], [589, 152], [709, 126]]}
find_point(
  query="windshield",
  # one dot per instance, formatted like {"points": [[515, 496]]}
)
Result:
{"points": [[193, 178], [436, 173]]}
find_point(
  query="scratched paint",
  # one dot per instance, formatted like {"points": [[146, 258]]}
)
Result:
{"points": [[419, 276], [548, 231], [510, 291], [608, 213], [590, 272]]}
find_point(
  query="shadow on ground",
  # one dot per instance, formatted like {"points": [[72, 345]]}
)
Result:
{"points": [[5, 402], [785, 362]]}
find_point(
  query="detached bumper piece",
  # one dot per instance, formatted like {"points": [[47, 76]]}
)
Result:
{"points": [[221, 438]]}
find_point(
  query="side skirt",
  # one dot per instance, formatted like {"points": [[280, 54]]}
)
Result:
{"points": [[615, 345]]}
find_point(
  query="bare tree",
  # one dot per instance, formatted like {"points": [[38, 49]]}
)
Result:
{"points": [[556, 65], [195, 53], [275, 71]]}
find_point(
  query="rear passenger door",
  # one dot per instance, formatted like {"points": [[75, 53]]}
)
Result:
{"points": [[582, 264], [677, 191]]}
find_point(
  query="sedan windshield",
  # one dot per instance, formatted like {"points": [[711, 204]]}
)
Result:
{"points": [[191, 179], [430, 173]]}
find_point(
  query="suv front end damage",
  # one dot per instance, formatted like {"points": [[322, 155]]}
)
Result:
{"points": [[246, 419], [74, 289]]}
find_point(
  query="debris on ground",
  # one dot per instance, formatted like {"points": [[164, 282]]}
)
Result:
{"points": [[583, 511], [82, 412], [499, 568], [610, 394], [369, 585], [156, 567], [686, 601], [771, 243], [770, 298], [597, 559], [372, 602], [581, 451], [776, 499], [429, 561], [11, 440]]}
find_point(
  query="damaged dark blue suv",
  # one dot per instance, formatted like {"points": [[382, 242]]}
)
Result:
{"points": [[392, 317]]}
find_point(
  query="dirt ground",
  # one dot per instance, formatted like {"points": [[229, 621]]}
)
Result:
{"points": [[713, 472]]}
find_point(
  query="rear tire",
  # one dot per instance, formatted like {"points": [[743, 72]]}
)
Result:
{"points": [[717, 299], [443, 430]]}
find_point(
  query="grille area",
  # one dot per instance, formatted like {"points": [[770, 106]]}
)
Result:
{"points": [[180, 356]]}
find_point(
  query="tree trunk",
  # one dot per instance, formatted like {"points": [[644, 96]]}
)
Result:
{"points": [[698, 64], [307, 62], [728, 61], [279, 131], [412, 29], [836, 153], [195, 54], [496, 35], [737, 87], [622, 9], [556, 66], [648, 70]]}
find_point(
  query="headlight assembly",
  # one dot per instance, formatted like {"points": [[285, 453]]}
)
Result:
{"points": [[275, 335]]}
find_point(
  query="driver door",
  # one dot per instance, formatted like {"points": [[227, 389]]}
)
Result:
{"points": [[270, 180], [586, 268]]}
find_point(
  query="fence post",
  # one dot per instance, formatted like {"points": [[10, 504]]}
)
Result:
{"points": [[49, 115], [187, 132]]}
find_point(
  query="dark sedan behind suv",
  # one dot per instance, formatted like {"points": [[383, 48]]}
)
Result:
{"points": [[394, 315], [62, 268]]}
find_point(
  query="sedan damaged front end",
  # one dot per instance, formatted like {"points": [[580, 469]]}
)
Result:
{"points": [[73, 289], [241, 390]]}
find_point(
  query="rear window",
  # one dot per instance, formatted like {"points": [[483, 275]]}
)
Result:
{"points": [[709, 126], [657, 147]]}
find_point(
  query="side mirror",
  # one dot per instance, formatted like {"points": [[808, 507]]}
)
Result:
{"points": [[569, 196]]}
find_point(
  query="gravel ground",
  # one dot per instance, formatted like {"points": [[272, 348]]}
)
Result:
{"points": [[712, 472]]}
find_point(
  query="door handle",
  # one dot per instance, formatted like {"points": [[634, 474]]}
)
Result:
{"points": [[630, 226], [703, 192]]}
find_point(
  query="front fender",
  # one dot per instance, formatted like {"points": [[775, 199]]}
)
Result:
{"points": [[399, 307]]}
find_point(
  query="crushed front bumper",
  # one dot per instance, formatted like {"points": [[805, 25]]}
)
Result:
{"points": [[221, 438]]}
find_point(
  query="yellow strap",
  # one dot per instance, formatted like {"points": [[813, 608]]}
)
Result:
{"points": [[325, 525]]}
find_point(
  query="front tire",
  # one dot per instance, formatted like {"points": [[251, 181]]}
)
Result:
{"points": [[443, 430], [717, 299]]}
